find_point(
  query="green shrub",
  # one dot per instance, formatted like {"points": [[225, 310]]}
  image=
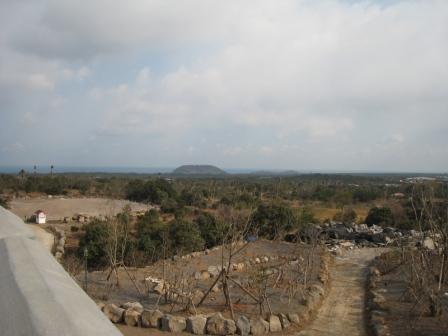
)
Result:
{"points": [[380, 216], [95, 240]]}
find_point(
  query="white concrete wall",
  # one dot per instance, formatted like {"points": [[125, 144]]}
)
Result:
{"points": [[37, 296]]}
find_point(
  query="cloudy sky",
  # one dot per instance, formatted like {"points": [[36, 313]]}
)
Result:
{"points": [[293, 84]]}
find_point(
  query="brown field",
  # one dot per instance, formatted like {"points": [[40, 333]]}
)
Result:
{"points": [[323, 213]]}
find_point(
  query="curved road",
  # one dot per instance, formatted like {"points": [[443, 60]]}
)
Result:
{"points": [[342, 312]]}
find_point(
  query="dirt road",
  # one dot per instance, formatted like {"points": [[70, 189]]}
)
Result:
{"points": [[342, 312]]}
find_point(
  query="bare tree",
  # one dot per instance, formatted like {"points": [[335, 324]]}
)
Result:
{"points": [[117, 243], [428, 267], [237, 228]]}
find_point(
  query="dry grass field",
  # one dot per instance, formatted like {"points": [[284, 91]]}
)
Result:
{"points": [[58, 208]]}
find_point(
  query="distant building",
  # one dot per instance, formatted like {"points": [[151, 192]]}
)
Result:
{"points": [[41, 217]]}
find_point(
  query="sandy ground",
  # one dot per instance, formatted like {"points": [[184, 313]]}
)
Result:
{"points": [[342, 312], [58, 208], [46, 238]]}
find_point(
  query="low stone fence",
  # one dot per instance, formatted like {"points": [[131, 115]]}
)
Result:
{"points": [[59, 243], [134, 314], [376, 308]]}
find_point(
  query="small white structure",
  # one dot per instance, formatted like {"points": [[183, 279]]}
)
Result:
{"points": [[41, 217]]}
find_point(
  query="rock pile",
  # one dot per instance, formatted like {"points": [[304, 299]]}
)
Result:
{"points": [[337, 235]]}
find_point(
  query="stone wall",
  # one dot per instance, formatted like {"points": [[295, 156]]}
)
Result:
{"points": [[376, 304]]}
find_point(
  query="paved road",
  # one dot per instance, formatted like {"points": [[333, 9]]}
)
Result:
{"points": [[44, 237], [342, 312]]}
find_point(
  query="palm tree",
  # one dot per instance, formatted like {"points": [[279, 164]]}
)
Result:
{"points": [[22, 173], [51, 169], [35, 169]]}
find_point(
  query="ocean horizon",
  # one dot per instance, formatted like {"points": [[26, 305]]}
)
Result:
{"points": [[15, 169]]}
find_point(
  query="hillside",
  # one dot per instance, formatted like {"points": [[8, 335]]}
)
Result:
{"points": [[198, 170]]}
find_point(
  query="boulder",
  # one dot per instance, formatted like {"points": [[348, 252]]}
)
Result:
{"points": [[374, 271], [157, 286], [230, 327], [238, 267], [114, 313], [317, 289], [213, 271], [294, 318], [160, 288], [173, 323], [133, 305], [243, 326], [131, 317], [100, 305], [428, 243], [259, 326], [378, 301], [151, 318], [203, 275], [380, 238], [284, 321], [274, 324], [197, 296], [218, 325], [60, 248], [196, 324]]}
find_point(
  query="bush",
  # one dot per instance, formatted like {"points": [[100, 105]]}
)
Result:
{"points": [[74, 228], [274, 220], [169, 206], [151, 232], [346, 216], [380, 216], [212, 230], [95, 240], [185, 236], [153, 191]]}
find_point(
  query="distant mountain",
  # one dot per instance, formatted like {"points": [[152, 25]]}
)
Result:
{"points": [[198, 170]]}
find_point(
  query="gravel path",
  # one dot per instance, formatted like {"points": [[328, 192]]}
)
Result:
{"points": [[342, 312]]}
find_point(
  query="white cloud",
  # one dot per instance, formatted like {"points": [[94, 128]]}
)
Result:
{"points": [[324, 76], [39, 81]]}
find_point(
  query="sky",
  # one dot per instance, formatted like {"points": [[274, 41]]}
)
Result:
{"points": [[264, 84]]}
